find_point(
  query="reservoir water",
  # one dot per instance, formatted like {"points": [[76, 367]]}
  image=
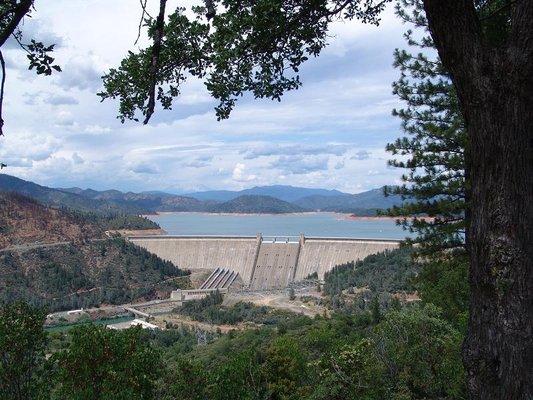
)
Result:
{"points": [[311, 224]]}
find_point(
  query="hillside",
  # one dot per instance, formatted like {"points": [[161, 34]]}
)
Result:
{"points": [[25, 221], [59, 198], [256, 204], [281, 192], [71, 276], [62, 259], [145, 202], [360, 204], [291, 198]]}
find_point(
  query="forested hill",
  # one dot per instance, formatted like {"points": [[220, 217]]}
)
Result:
{"points": [[283, 192], [264, 199], [146, 202], [59, 198], [62, 259], [257, 204], [365, 203], [25, 221], [75, 275]]}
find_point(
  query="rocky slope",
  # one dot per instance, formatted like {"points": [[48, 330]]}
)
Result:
{"points": [[24, 221], [63, 260]]}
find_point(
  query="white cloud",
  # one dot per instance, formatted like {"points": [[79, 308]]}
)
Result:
{"points": [[329, 133]]}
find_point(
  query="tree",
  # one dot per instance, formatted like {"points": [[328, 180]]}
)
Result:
{"points": [[411, 354], [420, 353], [493, 79], [101, 363], [22, 344], [12, 13], [375, 309], [434, 144], [258, 46], [435, 185]]}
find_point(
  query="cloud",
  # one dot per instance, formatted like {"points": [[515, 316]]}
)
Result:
{"points": [[239, 173], [59, 100], [34, 29], [329, 133], [24, 150], [33, 99], [144, 168], [361, 155], [339, 165], [64, 119], [80, 73], [197, 163], [300, 165], [77, 159], [293, 149]]}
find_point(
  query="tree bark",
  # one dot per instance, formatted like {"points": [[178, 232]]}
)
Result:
{"points": [[495, 88], [18, 13]]}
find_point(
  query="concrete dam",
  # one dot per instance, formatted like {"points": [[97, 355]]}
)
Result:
{"points": [[262, 262]]}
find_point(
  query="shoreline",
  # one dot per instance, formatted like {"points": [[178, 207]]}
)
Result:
{"points": [[344, 216]]}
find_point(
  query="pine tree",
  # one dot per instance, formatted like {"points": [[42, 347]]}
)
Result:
{"points": [[434, 145]]}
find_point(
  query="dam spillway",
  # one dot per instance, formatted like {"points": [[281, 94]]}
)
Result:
{"points": [[262, 262]]}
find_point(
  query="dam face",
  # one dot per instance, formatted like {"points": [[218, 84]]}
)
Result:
{"points": [[262, 263]]}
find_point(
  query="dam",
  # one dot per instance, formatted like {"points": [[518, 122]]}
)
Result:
{"points": [[262, 262]]}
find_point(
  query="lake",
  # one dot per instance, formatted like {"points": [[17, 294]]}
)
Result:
{"points": [[311, 224]]}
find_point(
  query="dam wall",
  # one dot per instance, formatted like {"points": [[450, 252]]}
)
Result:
{"points": [[275, 265], [262, 263], [204, 252], [320, 255]]}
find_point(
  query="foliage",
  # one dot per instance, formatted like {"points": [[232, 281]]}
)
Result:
{"points": [[389, 271], [256, 204], [421, 354], [355, 372], [100, 363], [210, 309], [436, 182], [444, 283], [22, 345], [411, 353], [433, 150], [64, 277], [237, 46], [115, 221]]}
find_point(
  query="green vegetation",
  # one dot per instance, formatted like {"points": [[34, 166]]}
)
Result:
{"points": [[408, 353], [256, 204], [103, 364], [115, 221], [71, 276], [433, 150], [210, 310], [22, 344], [388, 272]]}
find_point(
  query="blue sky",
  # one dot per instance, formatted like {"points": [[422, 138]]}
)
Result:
{"points": [[331, 133]]}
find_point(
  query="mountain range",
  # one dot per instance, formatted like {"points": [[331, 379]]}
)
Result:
{"points": [[276, 199]]}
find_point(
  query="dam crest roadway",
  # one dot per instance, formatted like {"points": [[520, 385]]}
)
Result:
{"points": [[262, 262]]}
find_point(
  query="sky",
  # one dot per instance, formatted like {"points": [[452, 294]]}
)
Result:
{"points": [[331, 133]]}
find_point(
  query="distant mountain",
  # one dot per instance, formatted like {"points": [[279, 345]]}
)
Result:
{"points": [[146, 202], [282, 192], [255, 204], [290, 199], [361, 203], [59, 198]]}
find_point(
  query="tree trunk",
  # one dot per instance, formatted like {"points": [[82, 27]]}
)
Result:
{"points": [[496, 94], [497, 351]]}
